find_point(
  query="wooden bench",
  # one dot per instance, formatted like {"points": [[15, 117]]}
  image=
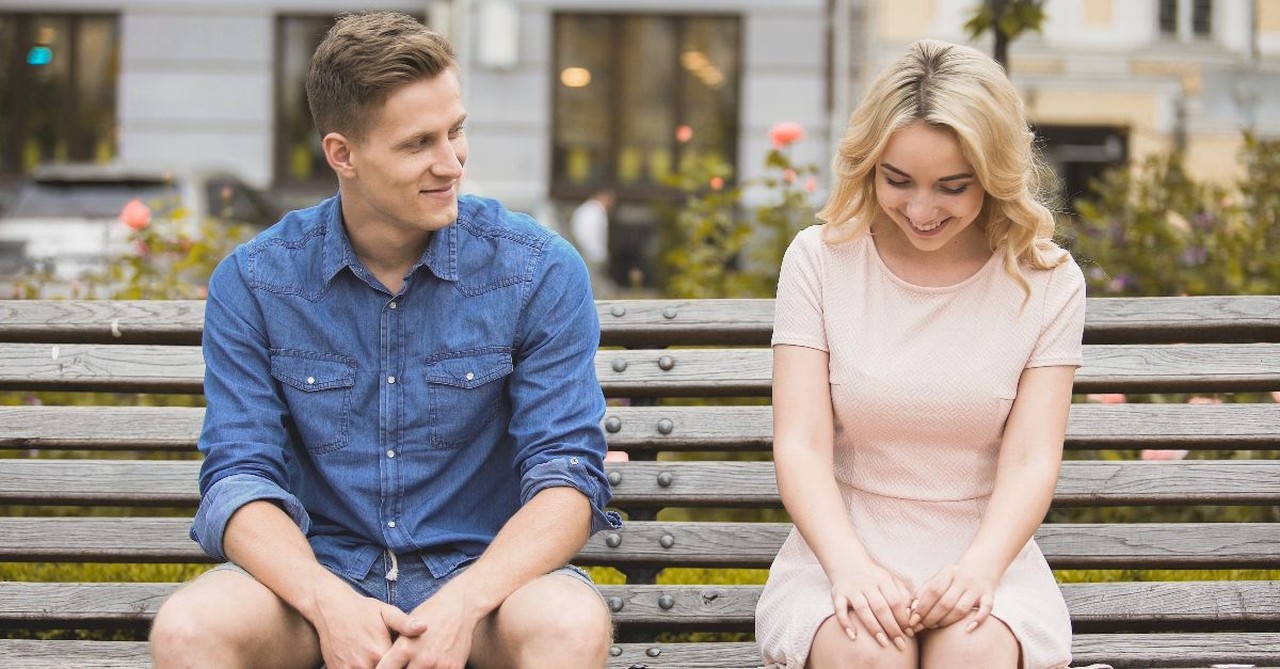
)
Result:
{"points": [[113, 476]]}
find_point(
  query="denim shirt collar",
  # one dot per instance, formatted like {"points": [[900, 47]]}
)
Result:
{"points": [[440, 256]]}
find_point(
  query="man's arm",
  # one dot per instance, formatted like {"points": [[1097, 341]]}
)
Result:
{"points": [[354, 630]]}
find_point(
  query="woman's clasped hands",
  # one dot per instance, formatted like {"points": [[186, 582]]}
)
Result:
{"points": [[878, 599], [954, 593], [882, 604]]}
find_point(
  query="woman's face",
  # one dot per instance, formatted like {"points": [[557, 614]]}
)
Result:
{"points": [[927, 188]]}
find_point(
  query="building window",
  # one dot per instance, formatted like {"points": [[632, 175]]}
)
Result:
{"points": [[624, 84], [299, 159], [58, 78], [1186, 19], [1202, 18]]}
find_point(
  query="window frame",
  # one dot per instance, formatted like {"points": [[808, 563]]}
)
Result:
{"points": [[560, 188], [81, 145]]}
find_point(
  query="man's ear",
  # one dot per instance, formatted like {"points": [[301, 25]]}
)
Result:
{"points": [[337, 151]]}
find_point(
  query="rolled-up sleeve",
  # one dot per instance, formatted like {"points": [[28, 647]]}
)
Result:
{"points": [[557, 404], [244, 438]]}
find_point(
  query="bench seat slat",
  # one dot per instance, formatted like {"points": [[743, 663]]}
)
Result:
{"points": [[692, 483], [692, 544], [1124, 651], [643, 322], [669, 428], [637, 373], [1216, 605]]}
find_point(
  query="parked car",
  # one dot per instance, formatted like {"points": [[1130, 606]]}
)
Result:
{"points": [[65, 219]]}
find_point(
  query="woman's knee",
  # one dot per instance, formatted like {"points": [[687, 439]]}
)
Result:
{"points": [[990, 645], [833, 649]]}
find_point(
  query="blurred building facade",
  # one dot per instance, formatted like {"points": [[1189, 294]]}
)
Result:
{"points": [[566, 96]]}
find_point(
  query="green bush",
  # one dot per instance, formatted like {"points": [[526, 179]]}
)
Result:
{"points": [[1155, 230]]}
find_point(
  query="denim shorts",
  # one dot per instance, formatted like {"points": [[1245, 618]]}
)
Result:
{"points": [[404, 581]]}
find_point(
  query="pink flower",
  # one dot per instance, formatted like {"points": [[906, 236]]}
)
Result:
{"points": [[616, 456], [785, 134], [717, 183], [1158, 454], [789, 175], [684, 133], [1106, 398], [811, 184], [135, 214], [1275, 396], [1204, 400]]}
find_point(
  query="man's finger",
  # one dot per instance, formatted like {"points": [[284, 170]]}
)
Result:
{"points": [[401, 623]]}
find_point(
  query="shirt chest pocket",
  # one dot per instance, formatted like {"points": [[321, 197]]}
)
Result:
{"points": [[465, 393], [317, 388]]}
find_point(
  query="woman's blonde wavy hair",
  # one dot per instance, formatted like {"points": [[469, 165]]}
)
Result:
{"points": [[959, 88]]}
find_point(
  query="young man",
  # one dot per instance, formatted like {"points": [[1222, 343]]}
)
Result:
{"points": [[402, 442]]}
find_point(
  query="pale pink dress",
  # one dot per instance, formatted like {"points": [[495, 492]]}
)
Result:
{"points": [[922, 380]]}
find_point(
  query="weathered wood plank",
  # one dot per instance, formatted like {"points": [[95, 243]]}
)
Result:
{"points": [[660, 322], [93, 367], [669, 428], [1123, 320], [1123, 651], [1142, 606], [668, 484], [102, 321], [100, 428], [671, 372], [687, 544]]}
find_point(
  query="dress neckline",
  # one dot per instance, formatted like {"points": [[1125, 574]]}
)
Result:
{"points": [[949, 288]]}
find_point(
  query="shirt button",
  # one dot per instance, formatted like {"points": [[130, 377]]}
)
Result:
{"points": [[391, 454], [391, 523], [391, 379], [311, 380], [393, 305], [470, 376]]}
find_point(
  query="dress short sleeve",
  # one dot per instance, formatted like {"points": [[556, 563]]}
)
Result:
{"points": [[1062, 335], [798, 317]]}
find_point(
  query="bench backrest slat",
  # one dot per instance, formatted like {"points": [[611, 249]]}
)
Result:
{"points": [[670, 428], [672, 372], [649, 323], [670, 484]]}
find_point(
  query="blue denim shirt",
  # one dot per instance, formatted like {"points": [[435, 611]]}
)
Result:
{"points": [[418, 422]]}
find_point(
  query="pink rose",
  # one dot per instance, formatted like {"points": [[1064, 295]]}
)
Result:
{"points": [[785, 134], [1105, 398], [789, 175], [135, 214], [1163, 454], [717, 183], [684, 133]]}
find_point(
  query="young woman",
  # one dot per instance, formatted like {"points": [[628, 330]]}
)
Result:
{"points": [[926, 341]]}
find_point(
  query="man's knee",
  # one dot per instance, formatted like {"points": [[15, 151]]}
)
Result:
{"points": [[555, 621], [225, 619], [182, 635], [585, 631]]}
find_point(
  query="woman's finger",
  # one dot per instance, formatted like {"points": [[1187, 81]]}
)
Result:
{"points": [[985, 604], [842, 615]]}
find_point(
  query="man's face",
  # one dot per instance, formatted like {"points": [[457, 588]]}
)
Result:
{"points": [[408, 166]]}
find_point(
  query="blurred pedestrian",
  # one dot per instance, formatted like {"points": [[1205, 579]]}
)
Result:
{"points": [[590, 229]]}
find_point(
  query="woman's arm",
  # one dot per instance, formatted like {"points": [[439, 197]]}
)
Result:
{"points": [[1026, 475], [803, 433]]}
